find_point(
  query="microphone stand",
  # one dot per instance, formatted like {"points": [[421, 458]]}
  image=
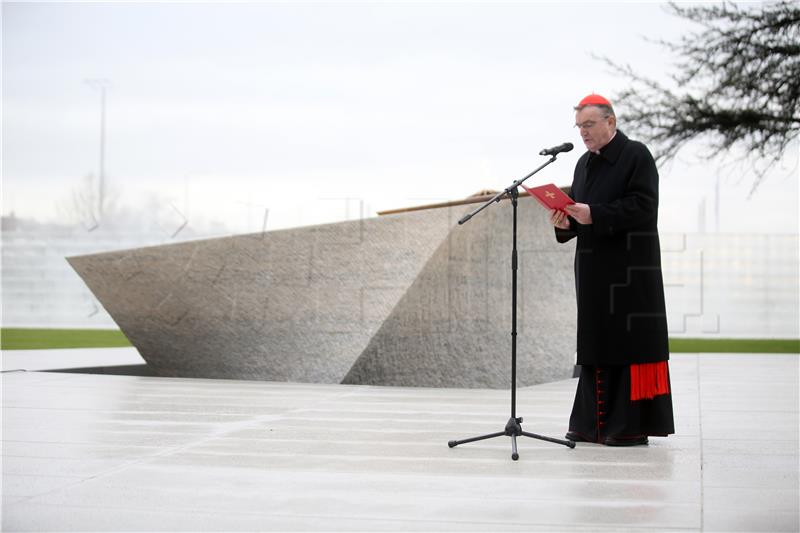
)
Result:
{"points": [[513, 427]]}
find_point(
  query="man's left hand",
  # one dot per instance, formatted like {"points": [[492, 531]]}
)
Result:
{"points": [[580, 212]]}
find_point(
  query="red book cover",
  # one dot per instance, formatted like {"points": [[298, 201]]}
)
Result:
{"points": [[550, 196]]}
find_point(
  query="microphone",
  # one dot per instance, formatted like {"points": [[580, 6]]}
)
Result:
{"points": [[566, 147]]}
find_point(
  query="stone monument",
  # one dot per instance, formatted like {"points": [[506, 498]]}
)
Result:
{"points": [[404, 299]]}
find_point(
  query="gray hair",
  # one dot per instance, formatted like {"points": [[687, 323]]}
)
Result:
{"points": [[607, 110]]}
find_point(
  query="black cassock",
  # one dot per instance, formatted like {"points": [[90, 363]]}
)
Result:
{"points": [[620, 292]]}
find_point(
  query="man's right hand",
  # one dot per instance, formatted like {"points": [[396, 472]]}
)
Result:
{"points": [[559, 219]]}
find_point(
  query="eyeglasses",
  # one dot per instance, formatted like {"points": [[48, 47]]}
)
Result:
{"points": [[589, 124]]}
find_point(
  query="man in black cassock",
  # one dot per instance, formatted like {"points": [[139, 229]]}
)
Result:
{"points": [[623, 393]]}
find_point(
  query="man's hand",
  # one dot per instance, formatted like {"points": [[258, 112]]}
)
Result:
{"points": [[580, 212], [559, 219]]}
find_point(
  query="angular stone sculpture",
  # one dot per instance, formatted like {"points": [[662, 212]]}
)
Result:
{"points": [[407, 299]]}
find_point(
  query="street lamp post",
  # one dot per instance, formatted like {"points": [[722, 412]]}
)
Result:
{"points": [[101, 84]]}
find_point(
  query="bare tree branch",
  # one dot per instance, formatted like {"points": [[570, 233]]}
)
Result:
{"points": [[737, 84]]}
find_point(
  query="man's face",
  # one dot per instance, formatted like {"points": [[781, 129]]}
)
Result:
{"points": [[596, 130]]}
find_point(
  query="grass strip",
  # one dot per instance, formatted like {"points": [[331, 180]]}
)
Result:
{"points": [[44, 339], [681, 345]]}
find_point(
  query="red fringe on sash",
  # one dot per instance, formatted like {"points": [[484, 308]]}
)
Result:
{"points": [[649, 380]]}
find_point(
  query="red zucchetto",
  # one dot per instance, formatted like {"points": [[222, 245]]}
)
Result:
{"points": [[594, 99]]}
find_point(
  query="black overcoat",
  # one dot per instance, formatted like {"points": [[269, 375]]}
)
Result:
{"points": [[620, 289]]}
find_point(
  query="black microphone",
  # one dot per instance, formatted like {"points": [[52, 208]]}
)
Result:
{"points": [[566, 147]]}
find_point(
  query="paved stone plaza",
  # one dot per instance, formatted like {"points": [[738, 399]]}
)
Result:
{"points": [[100, 452]]}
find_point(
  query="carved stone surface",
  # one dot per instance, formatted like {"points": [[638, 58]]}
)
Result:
{"points": [[406, 299]]}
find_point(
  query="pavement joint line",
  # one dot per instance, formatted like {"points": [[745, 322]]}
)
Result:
{"points": [[700, 431], [378, 518]]}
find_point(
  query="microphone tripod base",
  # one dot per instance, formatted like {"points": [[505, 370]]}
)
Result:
{"points": [[513, 429]]}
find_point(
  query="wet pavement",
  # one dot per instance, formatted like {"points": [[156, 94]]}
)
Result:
{"points": [[103, 452]]}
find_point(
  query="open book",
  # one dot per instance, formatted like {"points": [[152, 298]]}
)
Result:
{"points": [[550, 196]]}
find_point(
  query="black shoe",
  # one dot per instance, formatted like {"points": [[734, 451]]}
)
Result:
{"points": [[636, 440], [575, 437]]}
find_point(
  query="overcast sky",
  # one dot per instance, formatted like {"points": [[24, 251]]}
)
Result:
{"points": [[321, 111]]}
